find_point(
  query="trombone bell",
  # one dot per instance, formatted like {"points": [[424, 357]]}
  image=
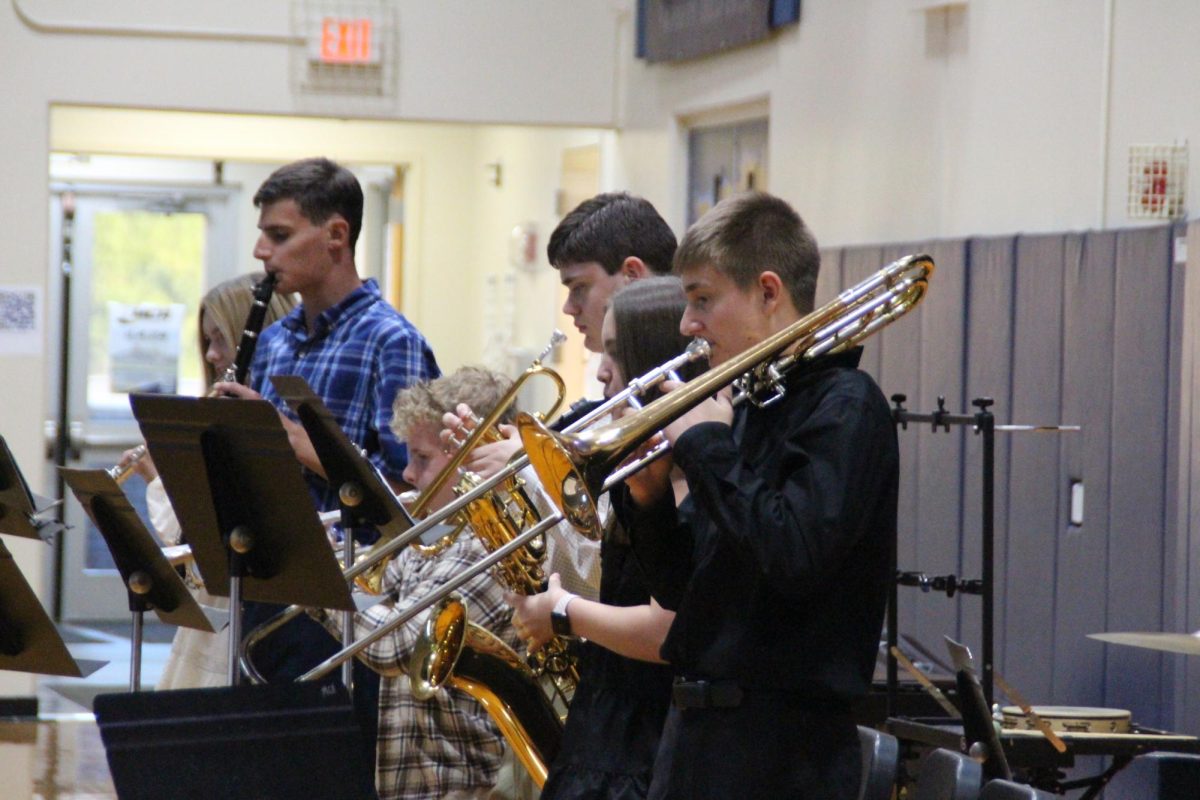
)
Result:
{"points": [[560, 475]]}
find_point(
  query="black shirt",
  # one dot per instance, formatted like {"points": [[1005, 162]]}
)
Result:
{"points": [[777, 562]]}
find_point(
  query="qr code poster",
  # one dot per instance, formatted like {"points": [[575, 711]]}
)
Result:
{"points": [[20, 320]]}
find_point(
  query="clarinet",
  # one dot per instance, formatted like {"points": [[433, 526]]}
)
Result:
{"points": [[254, 322]]}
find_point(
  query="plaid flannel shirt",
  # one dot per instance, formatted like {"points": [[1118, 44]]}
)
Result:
{"points": [[430, 747], [361, 352]]}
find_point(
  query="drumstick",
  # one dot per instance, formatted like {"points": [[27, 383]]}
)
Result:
{"points": [[926, 684], [1028, 711]]}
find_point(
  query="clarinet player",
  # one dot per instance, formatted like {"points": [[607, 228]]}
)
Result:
{"points": [[355, 351]]}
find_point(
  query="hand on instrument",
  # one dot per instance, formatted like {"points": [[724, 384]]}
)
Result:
{"points": [[650, 483], [486, 459], [233, 389], [531, 613], [302, 446], [143, 466]]}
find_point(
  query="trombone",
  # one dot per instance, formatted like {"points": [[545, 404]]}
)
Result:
{"points": [[576, 468], [407, 532]]}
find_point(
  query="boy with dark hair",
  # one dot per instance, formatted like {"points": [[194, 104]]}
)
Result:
{"points": [[601, 245], [355, 351], [785, 533]]}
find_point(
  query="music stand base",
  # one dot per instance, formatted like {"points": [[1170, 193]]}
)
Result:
{"points": [[262, 742]]}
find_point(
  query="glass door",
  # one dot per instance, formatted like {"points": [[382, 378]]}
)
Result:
{"points": [[140, 259]]}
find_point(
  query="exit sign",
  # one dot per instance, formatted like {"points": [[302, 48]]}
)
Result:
{"points": [[345, 41]]}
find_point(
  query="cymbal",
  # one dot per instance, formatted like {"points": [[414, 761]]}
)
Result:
{"points": [[1187, 643]]}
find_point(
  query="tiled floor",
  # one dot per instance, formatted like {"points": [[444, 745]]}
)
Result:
{"points": [[59, 756]]}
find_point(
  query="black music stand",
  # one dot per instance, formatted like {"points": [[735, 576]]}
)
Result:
{"points": [[19, 507], [270, 742], [363, 497], [242, 505], [150, 581], [29, 642]]}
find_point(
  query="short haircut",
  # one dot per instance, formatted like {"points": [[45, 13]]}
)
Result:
{"points": [[750, 233], [608, 229], [321, 188], [424, 403], [647, 315], [227, 305]]}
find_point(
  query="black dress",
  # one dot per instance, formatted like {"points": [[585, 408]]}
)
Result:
{"points": [[616, 716]]}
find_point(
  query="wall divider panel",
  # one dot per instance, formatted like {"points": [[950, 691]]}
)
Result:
{"points": [[1076, 328]]}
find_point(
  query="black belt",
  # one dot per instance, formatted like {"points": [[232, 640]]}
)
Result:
{"points": [[706, 694]]}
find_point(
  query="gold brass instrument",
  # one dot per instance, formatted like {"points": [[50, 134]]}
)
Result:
{"points": [[575, 468], [400, 531], [453, 651], [486, 431]]}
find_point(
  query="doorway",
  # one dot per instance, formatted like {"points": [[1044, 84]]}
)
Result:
{"points": [[134, 265]]}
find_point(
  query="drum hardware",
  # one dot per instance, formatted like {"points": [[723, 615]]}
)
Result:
{"points": [[941, 419], [950, 584]]}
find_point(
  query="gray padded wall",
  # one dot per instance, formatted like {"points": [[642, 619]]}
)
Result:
{"points": [[1186, 608], [1071, 328]]}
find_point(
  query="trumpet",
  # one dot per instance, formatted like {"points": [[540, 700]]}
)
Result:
{"points": [[406, 532], [575, 468], [485, 431], [369, 570]]}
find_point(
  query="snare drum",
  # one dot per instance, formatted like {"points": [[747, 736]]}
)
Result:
{"points": [[1069, 719]]}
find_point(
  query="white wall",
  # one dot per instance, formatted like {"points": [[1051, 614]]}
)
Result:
{"points": [[885, 125], [117, 72]]}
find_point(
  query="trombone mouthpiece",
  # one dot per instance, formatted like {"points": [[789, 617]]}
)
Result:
{"points": [[698, 348]]}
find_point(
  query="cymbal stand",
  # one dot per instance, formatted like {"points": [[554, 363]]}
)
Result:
{"points": [[983, 422]]}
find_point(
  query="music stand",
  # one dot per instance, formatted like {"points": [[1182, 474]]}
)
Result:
{"points": [[979, 729], [363, 497], [18, 505], [242, 505], [150, 581], [270, 742], [29, 642]]}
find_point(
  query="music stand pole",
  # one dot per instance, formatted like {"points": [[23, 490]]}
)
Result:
{"points": [[363, 498], [150, 581], [139, 586]]}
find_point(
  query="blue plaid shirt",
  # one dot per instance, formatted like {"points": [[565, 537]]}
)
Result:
{"points": [[361, 352]]}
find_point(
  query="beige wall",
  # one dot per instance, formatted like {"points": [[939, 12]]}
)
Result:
{"points": [[886, 125], [887, 122], [232, 63]]}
